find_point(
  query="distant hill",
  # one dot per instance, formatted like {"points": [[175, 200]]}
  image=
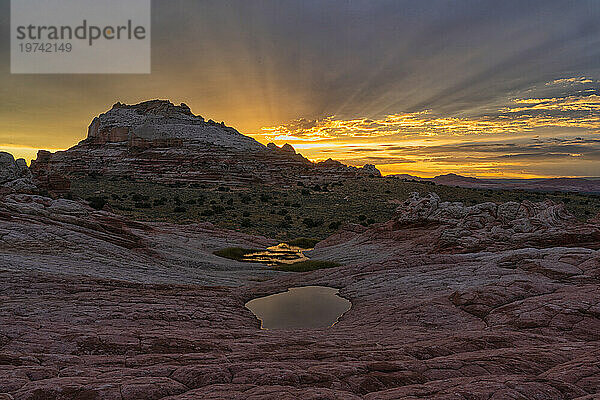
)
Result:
{"points": [[583, 185]]}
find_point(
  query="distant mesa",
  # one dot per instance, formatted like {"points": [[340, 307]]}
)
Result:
{"points": [[537, 184], [159, 141], [454, 178]]}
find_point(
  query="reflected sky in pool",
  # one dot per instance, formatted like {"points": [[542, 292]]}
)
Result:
{"points": [[300, 307]]}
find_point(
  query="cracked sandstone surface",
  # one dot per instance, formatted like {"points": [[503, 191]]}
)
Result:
{"points": [[94, 306]]}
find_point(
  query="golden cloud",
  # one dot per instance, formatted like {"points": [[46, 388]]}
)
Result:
{"points": [[571, 112]]}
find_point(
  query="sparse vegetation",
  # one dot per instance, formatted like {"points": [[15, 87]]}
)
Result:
{"points": [[97, 203], [308, 265], [234, 253], [287, 213], [304, 243]]}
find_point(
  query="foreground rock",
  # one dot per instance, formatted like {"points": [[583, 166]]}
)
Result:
{"points": [[427, 321], [161, 142], [59, 235]]}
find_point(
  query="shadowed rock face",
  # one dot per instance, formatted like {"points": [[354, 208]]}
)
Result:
{"points": [[427, 320], [159, 141], [14, 175]]}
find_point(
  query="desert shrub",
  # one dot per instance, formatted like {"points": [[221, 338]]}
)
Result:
{"points": [[97, 202], [362, 217], [245, 199], [179, 209], [370, 221], [115, 196], [305, 192], [265, 198], [335, 225], [218, 209], [139, 198], [207, 213], [312, 223], [308, 265], [143, 204], [303, 242], [234, 253], [246, 223], [191, 201]]}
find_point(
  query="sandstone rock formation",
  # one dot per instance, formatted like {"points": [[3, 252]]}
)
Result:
{"points": [[488, 226], [427, 322], [159, 141], [15, 175], [48, 235]]}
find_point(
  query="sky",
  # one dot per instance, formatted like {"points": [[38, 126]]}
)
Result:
{"points": [[480, 88]]}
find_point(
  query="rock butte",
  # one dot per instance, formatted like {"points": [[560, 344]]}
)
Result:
{"points": [[161, 142]]}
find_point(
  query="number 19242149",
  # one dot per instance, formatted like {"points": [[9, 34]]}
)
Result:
{"points": [[35, 47]]}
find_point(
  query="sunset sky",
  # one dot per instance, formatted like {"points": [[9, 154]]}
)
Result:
{"points": [[481, 88]]}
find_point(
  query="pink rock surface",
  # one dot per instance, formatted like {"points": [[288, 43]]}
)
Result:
{"points": [[427, 321]]}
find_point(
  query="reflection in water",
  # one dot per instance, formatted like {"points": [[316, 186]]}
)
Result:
{"points": [[275, 255], [300, 307]]}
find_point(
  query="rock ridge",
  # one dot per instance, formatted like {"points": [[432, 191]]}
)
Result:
{"points": [[162, 142]]}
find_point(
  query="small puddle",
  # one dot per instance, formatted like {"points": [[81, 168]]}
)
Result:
{"points": [[272, 256], [300, 307]]}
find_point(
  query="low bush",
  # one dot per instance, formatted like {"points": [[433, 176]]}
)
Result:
{"points": [[97, 202], [308, 265], [335, 225], [234, 253], [246, 223], [304, 243], [311, 223]]}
